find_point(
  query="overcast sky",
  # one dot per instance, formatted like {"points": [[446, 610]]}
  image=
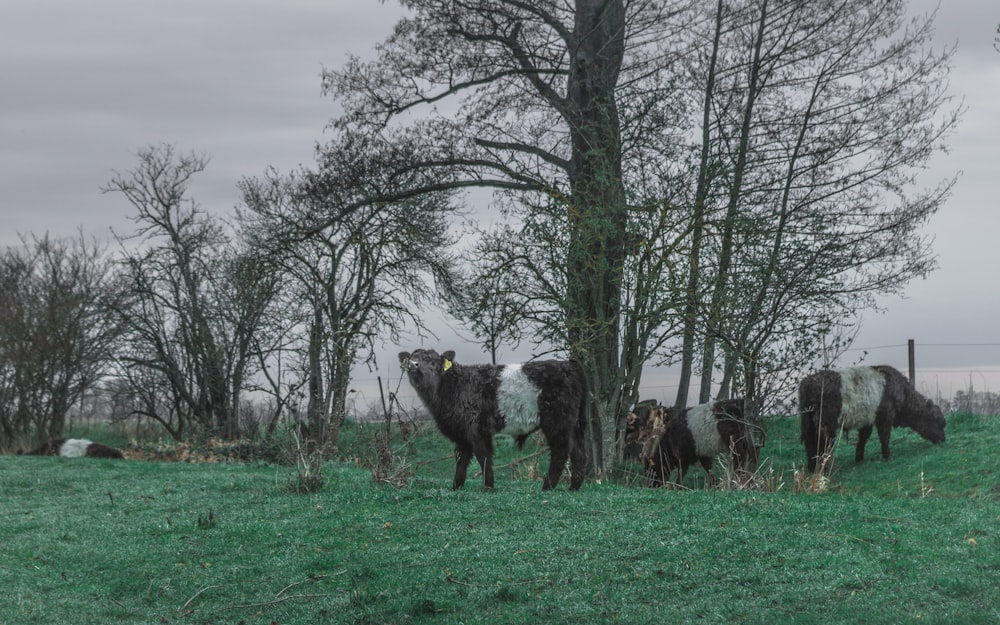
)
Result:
{"points": [[85, 85]]}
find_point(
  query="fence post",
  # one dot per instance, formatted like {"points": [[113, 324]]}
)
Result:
{"points": [[912, 361]]}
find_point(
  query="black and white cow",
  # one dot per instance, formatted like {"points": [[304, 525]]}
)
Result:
{"points": [[699, 434], [75, 448], [472, 403], [862, 398]]}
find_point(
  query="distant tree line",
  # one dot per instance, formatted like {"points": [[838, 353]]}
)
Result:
{"points": [[718, 186], [974, 402]]}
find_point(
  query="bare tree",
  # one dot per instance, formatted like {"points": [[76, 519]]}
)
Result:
{"points": [[630, 179], [56, 336], [362, 271], [539, 101], [519, 289], [816, 119], [194, 303]]}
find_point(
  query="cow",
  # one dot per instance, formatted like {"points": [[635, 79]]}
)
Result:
{"points": [[472, 403], [699, 434], [75, 448], [862, 398]]}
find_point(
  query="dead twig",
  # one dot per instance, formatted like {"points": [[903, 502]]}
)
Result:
{"points": [[281, 597], [195, 596], [518, 461], [433, 460], [275, 601], [455, 580], [294, 584]]}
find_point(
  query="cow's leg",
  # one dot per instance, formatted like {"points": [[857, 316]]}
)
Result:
{"points": [[863, 435], [578, 458], [706, 464], [817, 440], [884, 430], [463, 456], [809, 432], [484, 454], [812, 449], [558, 454]]}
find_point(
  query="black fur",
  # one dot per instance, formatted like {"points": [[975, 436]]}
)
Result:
{"points": [[463, 399]]}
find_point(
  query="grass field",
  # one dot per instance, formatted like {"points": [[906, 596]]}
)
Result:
{"points": [[912, 540]]}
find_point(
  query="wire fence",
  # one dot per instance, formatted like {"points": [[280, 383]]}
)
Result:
{"points": [[961, 377]]}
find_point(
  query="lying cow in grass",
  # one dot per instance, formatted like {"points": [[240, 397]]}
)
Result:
{"points": [[75, 448], [472, 403], [862, 398]]}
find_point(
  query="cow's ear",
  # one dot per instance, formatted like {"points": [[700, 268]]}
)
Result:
{"points": [[404, 356], [449, 355]]}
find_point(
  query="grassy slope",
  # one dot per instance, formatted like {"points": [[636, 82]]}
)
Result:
{"points": [[90, 541]]}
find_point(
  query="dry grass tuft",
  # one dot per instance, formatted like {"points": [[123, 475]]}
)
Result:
{"points": [[816, 482]]}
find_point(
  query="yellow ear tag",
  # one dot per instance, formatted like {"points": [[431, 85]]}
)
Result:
{"points": [[447, 364]]}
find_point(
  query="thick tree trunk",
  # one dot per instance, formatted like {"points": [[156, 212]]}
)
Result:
{"points": [[597, 214]]}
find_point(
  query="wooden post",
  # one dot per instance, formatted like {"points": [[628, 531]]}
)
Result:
{"points": [[912, 361]]}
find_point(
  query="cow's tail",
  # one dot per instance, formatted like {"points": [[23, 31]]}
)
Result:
{"points": [[520, 439]]}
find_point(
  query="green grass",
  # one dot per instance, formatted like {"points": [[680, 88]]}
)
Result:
{"points": [[102, 541]]}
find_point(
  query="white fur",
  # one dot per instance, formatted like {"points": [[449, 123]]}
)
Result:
{"points": [[861, 390], [702, 423], [517, 398], [74, 448]]}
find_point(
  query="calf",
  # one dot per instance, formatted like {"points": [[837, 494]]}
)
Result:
{"points": [[699, 434], [472, 403]]}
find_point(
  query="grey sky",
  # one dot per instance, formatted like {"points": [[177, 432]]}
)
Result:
{"points": [[84, 85], [87, 84]]}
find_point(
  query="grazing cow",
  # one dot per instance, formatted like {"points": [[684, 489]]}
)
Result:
{"points": [[861, 398], [75, 448], [472, 403], [636, 425], [699, 434]]}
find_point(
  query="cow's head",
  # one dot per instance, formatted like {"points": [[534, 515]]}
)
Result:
{"points": [[930, 423], [425, 367]]}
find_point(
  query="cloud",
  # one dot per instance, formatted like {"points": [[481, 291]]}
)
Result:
{"points": [[84, 85], [87, 84]]}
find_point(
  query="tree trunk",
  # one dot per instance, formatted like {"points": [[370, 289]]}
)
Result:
{"points": [[690, 318], [315, 426], [340, 379], [732, 212], [597, 215]]}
